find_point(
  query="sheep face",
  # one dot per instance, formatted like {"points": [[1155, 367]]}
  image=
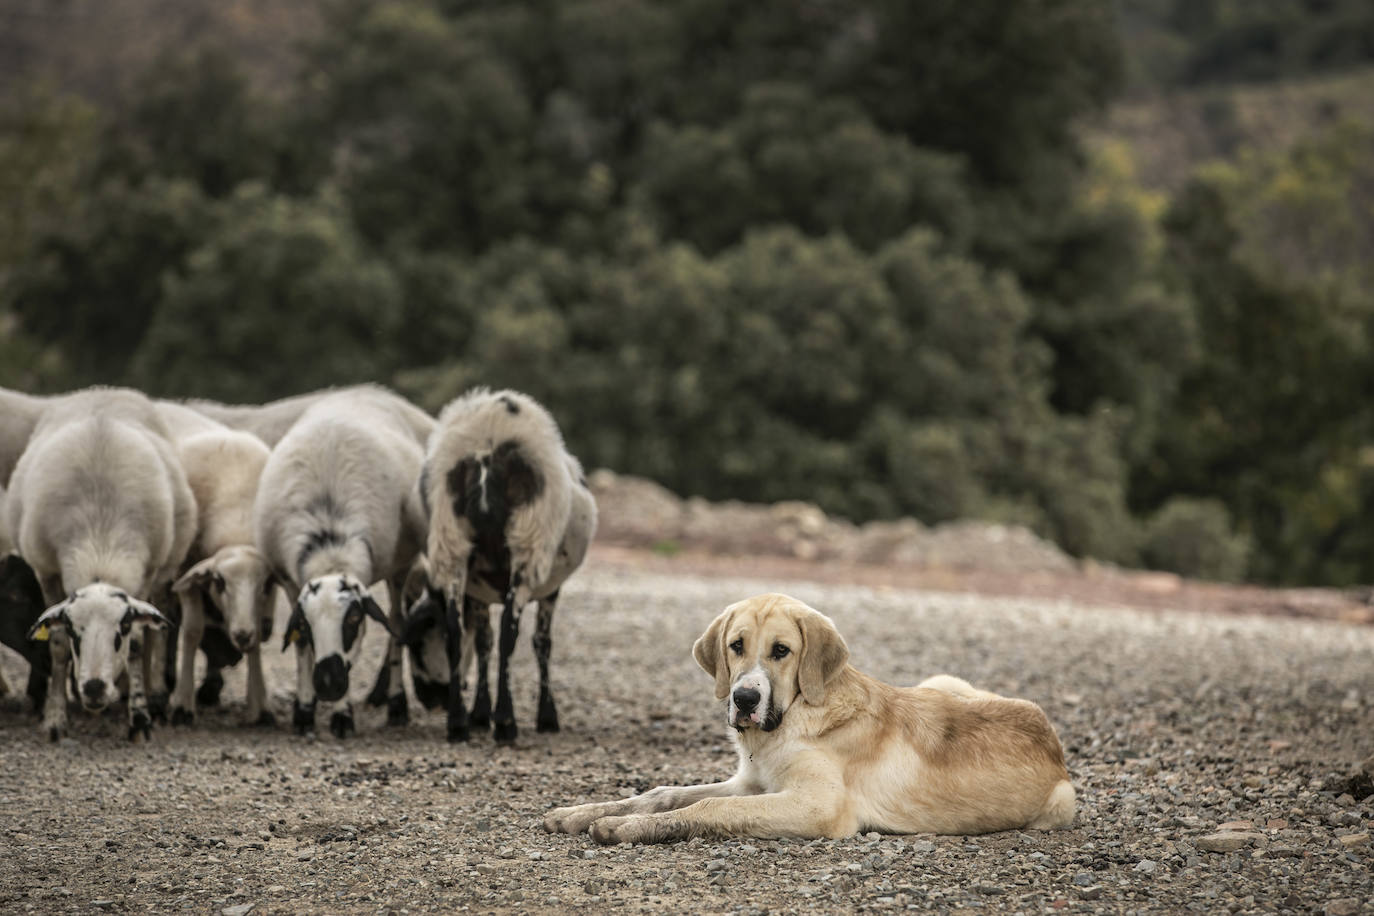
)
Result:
{"points": [[103, 623], [237, 583], [330, 617]]}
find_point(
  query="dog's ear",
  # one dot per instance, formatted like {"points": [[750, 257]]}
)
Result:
{"points": [[709, 651], [823, 654]]}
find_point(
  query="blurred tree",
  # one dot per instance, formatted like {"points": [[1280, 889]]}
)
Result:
{"points": [[219, 332]]}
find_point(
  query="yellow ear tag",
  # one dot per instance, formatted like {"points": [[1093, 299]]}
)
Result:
{"points": [[42, 634], [293, 636]]}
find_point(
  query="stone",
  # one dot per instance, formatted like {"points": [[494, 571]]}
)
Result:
{"points": [[1350, 841], [1145, 867], [1228, 841], [1091, 892], [1345, 906], [240, 909]]}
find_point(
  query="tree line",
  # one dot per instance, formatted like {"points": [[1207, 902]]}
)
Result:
{"points": [[854, 253]]}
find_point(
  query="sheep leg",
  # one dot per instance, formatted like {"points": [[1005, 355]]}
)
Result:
{"points": [[504, 729], [55, 704], [547, 720], [303, 710], [258, 713], [397, 712], [479, 616], [341, 718], [192, 626], [208, 692], [453, 642], [141, 648], [155, 668]]}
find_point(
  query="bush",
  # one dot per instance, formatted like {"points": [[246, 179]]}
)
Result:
{"points": [[1193, 537]]}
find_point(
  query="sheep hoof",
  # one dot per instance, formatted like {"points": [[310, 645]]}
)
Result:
{"points": [[547, 720], [208, 693], [505, 732], [157, 707], [458, 727], [431, 694], [341, 724], [480, 717], [182, 716], [264, 720], [397, 712], [303, 718], [379, 694], [140, 723], [54, 733]]}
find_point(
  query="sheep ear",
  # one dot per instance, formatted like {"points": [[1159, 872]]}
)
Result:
{"points": [[709, 651], [53, 618], [374, 610], [277, 579], [422, 614], [197, 576], [144, 613], [295, 626], [823, 654]]}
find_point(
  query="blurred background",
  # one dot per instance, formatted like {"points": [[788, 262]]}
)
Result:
{"points": [[1097, 268]]}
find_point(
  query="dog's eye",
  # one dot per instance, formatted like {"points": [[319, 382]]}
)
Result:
{"points": [[737, 647], [780, 651]]}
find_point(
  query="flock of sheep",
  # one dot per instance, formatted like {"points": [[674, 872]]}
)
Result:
{"points": [[125, 520]]}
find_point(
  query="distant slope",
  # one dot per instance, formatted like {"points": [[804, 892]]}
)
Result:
{"points": [[97, 48], [1170, 135]]}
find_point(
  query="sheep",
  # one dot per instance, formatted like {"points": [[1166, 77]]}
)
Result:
{"points": [[21, 603], [337, 510], [19, 414], [225, 577], [271, 421], [510, 518], [100, 508]]}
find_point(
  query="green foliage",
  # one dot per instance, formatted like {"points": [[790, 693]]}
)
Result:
{"points": [[849, 253], [216, 332], [1193, 537]]}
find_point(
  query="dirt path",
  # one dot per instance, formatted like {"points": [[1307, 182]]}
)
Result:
{"points": [[1175, 723]]}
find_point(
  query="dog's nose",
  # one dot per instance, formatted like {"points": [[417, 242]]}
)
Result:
{"points": [[93, 690], [747, 699], [331, 678]]}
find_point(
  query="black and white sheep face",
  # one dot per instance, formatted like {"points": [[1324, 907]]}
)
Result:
{"points": [[329, 619], [237, 583], [102, 623]]}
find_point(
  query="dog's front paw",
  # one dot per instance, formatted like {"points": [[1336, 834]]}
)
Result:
{"points": [[573, 819], [608, 831]]}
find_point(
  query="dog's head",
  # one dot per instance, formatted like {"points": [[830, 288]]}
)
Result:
{"points": [[767, 651]]}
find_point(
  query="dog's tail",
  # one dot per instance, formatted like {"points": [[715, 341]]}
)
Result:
{"points": [[1058, 809]]}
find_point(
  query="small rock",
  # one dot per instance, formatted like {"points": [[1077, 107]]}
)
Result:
{"points": [[535, 855], [102, 904], [241, 909], [485, 869], [505, 852], [1091, 892], [922, 847], [991, 890], [1345, 906], [1354, 839], [716, 865], [1145, 867], [1229, 841], [1084, 879]]}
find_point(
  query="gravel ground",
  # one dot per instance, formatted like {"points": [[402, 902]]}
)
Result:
{"points": [[1178, 727]]}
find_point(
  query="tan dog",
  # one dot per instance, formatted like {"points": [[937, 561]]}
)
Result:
{"points": [[827, 751]]}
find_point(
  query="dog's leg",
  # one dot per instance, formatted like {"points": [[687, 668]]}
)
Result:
{"points": [[803, 811], [577, 818], [192, 628]]}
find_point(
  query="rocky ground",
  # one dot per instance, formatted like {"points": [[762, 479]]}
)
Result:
{"points": [[1214, 757]]}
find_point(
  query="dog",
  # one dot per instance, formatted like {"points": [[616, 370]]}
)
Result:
{"points": [[825, 751]]}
